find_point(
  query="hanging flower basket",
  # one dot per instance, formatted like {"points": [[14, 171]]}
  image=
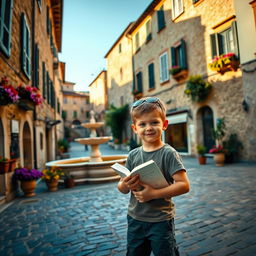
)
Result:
{"points": [[224, 63], [8, 94]]}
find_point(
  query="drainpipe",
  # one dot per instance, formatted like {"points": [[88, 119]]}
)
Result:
{"points": [[33, 82]]}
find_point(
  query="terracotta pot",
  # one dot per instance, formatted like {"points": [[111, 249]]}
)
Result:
{"points": [[181, 75], [52, 185], [219, 159], [69, 183], [4, 167], [202, 159], [28, 187], [12, 165]]}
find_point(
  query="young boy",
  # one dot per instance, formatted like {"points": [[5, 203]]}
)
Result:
{"points": [[151, 211]]}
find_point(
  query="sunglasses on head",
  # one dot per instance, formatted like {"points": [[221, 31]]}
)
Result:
{"points": [[148, 100]]}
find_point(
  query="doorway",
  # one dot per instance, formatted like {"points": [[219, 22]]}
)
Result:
{"points": [[27, 146]]}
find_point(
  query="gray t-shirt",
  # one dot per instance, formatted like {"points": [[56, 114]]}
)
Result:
{"points": [[169, 161]]}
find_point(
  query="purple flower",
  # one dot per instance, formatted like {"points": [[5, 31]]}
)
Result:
{"points": [[24, 174]]}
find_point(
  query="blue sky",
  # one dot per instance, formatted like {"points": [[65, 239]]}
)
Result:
{"points": [[90, 28]]}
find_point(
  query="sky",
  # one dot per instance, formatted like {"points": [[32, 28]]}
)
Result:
{"points": [[90, 28]]}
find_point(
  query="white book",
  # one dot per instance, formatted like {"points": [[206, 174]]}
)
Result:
{"points": [[149, 173]]}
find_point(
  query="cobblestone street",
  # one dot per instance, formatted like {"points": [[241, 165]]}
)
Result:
{"points": [[217, 217]]}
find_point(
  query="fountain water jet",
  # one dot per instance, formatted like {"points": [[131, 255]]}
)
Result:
{"points": [[95, 168]]}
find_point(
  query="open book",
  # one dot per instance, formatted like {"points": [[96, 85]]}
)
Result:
{"points": [[149, 173]]}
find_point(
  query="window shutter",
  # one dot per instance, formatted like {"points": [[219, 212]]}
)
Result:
{"points": [[183, 56], [37, 66], [5, 26], [160, 18], [23, 43], [220, 44], [173, 52], [48, 20], [234, 31], [139, 82], [213, 45], [44, 80], [151, 75]]}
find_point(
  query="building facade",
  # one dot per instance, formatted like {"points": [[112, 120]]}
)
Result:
{"points": [[29, 44], [174, 40]]}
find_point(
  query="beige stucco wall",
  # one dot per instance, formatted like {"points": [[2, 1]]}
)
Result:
{"points": [[120, 87]]}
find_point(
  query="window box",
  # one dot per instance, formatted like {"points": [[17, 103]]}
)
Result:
{"points": [[181, 75], [26, 104], [224, 63]]}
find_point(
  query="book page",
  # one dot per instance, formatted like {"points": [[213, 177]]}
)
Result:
{"points": [[121, 170]]}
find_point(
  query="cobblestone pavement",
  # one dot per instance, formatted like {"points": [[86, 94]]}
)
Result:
{"points": [[216, 218]]}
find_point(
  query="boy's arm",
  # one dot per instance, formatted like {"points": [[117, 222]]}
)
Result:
{"points": [[125, 185], [180, 186]]}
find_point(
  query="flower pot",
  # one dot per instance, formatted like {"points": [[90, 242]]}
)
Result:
{"points": [[52, 185], [69, 182], [181, 75], [26, 104], [28, 188], [12, 165], [4, 167], [202, 159], [219, 159]]}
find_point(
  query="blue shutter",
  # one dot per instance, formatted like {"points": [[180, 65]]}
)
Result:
{"points": [[139, 82], [174, 61], [160, 18], [213, 45], [151, 76], [183, 55], [6, 7]]}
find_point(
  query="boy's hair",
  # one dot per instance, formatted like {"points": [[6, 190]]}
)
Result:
{"points": [[147, 105]]}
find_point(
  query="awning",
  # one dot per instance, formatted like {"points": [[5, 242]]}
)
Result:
{"points": [[178, 118]]}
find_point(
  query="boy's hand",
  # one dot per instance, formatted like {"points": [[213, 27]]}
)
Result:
{"points": [[131, 182], [145, 195]]}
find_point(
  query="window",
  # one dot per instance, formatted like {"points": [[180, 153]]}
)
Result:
{"points": [[164, 69], [160, 18], [121, 74], [179, 55], [64, 115], [120, 48], [177, 8], [225, 41], [41, 141], [151, 76], [148, 31], [74, 114], [39, 2], [138, 84], [195, 1], [137, 41], [25, 47], [36, 66], [5, 26]]}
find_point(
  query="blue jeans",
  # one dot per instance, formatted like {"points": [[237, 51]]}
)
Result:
{"points": [[144, 237]]}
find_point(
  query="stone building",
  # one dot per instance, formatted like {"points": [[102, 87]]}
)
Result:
{"points": [[99, 95], [189, 35], [76, 108], [29, 44]]}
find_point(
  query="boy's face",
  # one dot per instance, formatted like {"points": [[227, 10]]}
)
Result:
{"points": [[149, 127]]}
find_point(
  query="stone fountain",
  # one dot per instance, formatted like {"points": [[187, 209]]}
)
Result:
{"points": [[95, 168]]}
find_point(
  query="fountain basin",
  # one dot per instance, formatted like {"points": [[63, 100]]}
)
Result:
{"points": [[93, 125], [93, 172], [93, 141]]}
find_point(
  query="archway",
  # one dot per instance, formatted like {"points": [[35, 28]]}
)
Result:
{"points": [[27, 146], [1, 139], [207, 127]]}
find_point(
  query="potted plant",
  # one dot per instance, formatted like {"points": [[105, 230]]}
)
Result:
{"points": [[7, 165], [197, 89], [51, 177], [218, 150], [63, 145], [232, 146], [201, 150], [8, 94], [69, 180], [28, 178]]}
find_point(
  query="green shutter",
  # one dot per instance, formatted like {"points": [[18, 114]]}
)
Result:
{"points": [[37, 66], [213, 45], [6, 7], [183, 55], [160, 18], [44, 79], [235, 36], [151, 76], [174, 61], [139, 82], [23, 42]]}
